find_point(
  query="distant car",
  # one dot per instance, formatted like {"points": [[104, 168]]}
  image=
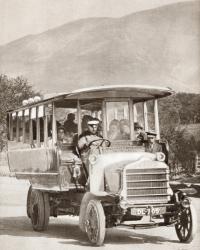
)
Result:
{"points": [[120, 183]]}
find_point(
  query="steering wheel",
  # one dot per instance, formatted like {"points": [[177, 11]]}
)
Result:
{"points": [[100, 144]]}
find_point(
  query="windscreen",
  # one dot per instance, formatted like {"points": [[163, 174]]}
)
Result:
{"points": [[118, 121]]}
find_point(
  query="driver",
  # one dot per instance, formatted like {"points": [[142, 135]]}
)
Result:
{"points": [[89, 135]]}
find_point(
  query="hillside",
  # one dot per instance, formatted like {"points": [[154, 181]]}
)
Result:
{"points": [[158, 47]]}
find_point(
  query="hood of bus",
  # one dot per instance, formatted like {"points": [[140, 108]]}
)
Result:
{"points": [[107, 167]]}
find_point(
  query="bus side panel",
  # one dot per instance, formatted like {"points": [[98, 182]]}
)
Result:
{"points": [[35, 160], [44, 181]]}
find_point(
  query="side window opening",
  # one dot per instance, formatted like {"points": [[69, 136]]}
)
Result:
{"points": [[33, 125], [10, 122], [27, 126], [41, 121], [49, 125], [14, 126], [18, 135], [40, 125], [20, 126], [67, 125], [48, 120]]}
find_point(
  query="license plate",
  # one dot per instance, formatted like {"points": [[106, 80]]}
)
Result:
{"points": [[147, 211]]}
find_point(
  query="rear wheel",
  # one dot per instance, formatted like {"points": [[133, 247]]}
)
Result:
{"points": [[95, 222], [186, 225], [39, 210], [28, 202]]}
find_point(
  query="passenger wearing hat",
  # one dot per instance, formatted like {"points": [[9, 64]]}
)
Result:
{"points": [[141, 136], [152, 146], [69, 125]]}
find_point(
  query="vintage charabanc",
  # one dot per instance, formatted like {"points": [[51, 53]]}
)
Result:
{"points": [[119, 184]]}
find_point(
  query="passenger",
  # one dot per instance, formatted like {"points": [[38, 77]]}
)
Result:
{"points": [[69, 138], [84, 124], [69, 125], [61, 135], [152, 145], [141, 136], [125, 129], [114, 130], [64, 138]]}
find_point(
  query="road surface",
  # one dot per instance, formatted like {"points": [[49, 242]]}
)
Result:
{"points": [[63, 233]]}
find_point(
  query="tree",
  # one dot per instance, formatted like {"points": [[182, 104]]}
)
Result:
{"points": [[175, 110], [12, 92], [190, 111], [169, 109], [184, 147]]}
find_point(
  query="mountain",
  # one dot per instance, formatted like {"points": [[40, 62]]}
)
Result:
{"points": [[157, 47]]}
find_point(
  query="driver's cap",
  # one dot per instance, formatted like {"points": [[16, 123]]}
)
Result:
{"points": [[93, 122], [151, 134]]}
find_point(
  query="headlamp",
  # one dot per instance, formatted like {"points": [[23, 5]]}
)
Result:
{"points": [[160, 156], [185, 202], [92, 159]]}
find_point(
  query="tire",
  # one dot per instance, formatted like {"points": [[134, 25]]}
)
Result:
{"points": [[28, 202], [39, 210], [186, 225], [95, 222], [84, 203]]}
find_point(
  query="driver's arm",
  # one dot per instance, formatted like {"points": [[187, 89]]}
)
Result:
{"points": [[82, 143]]}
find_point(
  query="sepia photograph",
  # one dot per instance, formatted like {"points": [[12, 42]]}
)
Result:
{"points": [[99, 124]]}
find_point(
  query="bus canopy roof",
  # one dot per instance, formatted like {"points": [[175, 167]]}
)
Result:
{"points": [[137, 92], [132, 91]]}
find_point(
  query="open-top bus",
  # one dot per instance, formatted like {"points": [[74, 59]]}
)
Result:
{"points": [[120, 183]]}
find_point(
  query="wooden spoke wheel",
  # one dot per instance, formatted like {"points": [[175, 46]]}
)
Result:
{"points": [[186, 225], [82, 215], [28, 202], [39, 210], [95, 222]]}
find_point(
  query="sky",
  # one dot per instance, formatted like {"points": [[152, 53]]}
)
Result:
{"points": [[19, 18]]}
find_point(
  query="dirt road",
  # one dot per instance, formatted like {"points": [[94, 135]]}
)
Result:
{"points": [[63, 232]]}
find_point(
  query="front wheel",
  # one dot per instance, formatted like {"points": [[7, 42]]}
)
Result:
{"points": [[186, 225], [39, 210], [95, 222]]}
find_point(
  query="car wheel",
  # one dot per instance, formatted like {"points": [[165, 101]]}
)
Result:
{"points": [[186, 225], [39, 210], [28, 202], [85, 200], [95, 222]]}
